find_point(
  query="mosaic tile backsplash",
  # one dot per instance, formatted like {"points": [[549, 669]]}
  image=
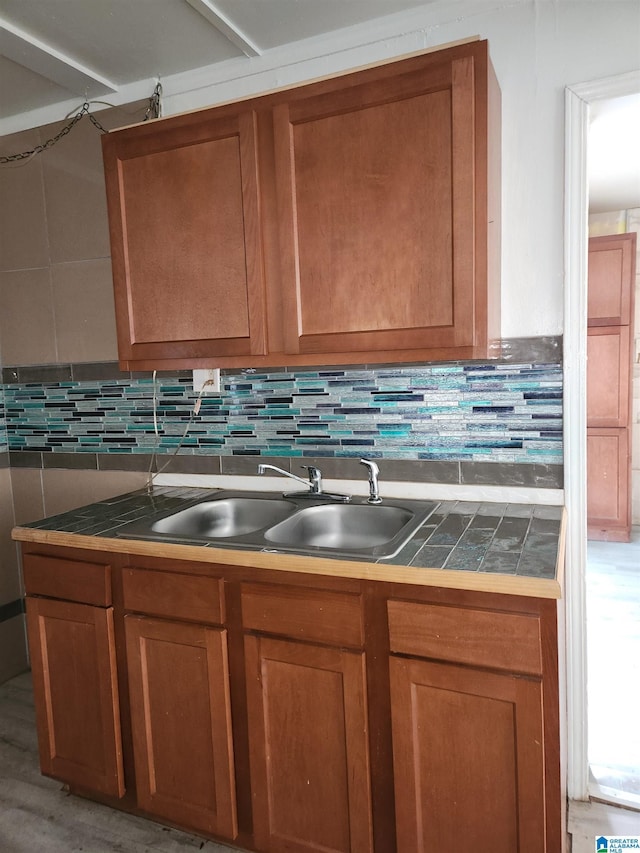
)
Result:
{"points": [[498, 412], [4, 441]]}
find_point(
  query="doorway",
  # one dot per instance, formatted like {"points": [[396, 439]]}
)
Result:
{"points": [[581, 691], [613, 507]]}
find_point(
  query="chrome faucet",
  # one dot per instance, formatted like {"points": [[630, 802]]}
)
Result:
{"points": [[315, 477], [314, 483], [373, 471]]}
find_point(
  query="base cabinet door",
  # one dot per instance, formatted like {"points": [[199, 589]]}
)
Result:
{"points": [[468, 759], [308, 744], [181, 723], [608, 476], [76, 694]]}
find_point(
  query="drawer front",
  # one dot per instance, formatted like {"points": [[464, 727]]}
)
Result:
{"points": [[194, 598], [490, 638], [71, 580], [303, 614]]}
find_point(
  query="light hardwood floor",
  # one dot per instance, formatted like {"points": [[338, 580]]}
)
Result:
{"points": [[613, 659], [38, 816]]}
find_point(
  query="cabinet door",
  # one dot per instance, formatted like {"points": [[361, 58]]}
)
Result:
{"points": [[608, 369], [468, 759], [611, 279], [608, 476], [76, 694], [308, 747], [185, 238], [181, 723], [378, 201]]}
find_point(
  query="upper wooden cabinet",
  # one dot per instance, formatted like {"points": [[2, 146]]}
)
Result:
{"points": [[354, 219], [185, 238], [382, 189], [612, 261]]}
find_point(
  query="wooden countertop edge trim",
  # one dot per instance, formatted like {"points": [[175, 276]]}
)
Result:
{"points": [[509, 584]]}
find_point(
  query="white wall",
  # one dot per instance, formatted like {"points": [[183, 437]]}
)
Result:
{"points": [[538, 47]]}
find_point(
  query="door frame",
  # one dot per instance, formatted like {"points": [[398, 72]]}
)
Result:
{"points": [[578, 99]]}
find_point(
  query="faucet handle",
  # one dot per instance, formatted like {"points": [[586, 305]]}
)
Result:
{"points": [[315, 477], [313, 471]]}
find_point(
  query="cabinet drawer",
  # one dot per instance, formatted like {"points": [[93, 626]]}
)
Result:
{"points": [[488, 638], [71, 580], [310, 614], [178, 596]]}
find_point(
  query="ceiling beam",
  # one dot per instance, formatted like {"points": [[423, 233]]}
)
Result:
{"points": [[207, 9], [36, 55]]}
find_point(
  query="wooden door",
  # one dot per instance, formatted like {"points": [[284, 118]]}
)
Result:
{"points": [[181, 723], [186, 238], [76, 694], [381, 193], [308, 747], [468, 759]]}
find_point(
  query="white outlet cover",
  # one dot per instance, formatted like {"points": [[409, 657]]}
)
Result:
{"points": [[202, 376]]}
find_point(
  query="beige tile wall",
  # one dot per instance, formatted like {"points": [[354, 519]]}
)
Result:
{"points": [[27, 323], [85, 322], [65, 489], [10, 584], [23, 224], [56, 306], [56, 300]]}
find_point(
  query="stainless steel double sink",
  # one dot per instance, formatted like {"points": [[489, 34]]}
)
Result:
{"points": [[267, 521]]}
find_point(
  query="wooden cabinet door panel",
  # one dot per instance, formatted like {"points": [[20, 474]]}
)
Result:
{"points": [[608, 474], [468, 759], [308, 747], [377, 200], [185, 234], [608, 386], [611, 279], [76, 694], [181, 723]]}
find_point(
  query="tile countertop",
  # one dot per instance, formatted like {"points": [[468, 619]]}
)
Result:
{"points": [[497, 547]]}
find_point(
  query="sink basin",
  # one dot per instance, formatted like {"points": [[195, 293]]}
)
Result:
{"points": [[260, 520], [342, 526], [221, 519]]}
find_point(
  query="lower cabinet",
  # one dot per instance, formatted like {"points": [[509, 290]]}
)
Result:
{"points": [[608, 481], [468, 759], [471, 746], [309, 747], [299, 714], [73, 661], [181, 723]]}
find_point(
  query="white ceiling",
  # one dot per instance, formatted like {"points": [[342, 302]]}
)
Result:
{"points": [[51, 50], [54, 54]]}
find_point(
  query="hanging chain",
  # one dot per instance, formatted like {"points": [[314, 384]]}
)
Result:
{"points": [[153, 111]]}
